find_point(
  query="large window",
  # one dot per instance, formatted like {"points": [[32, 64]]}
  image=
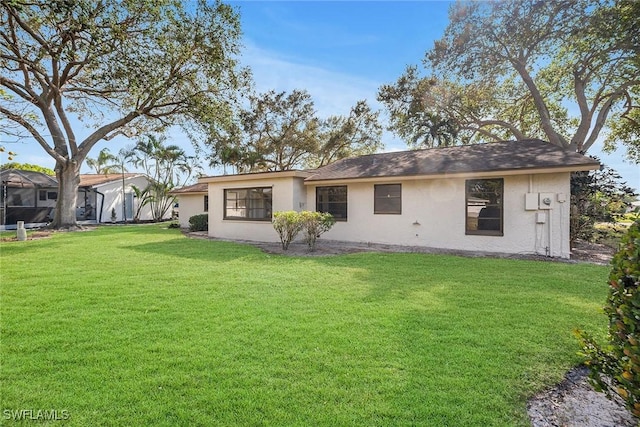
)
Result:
{"points": [[206, 203], [387, 199], [253, 204], [332, 200], [484, 207]]}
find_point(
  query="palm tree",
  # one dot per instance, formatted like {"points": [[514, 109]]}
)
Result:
{"points": [[106, 163], [165, 165]]}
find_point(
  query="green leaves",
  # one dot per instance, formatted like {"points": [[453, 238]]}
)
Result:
{"points": [[122, 67], [199, 222], [168, 166], [105, 163], [564, 71], [619, 359], [282, 131], [289, 223], [315, 224]]}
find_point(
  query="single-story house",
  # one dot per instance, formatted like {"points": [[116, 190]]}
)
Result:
{"points": [[31, 197], [101, 195], [193, 200], [504, 197]]}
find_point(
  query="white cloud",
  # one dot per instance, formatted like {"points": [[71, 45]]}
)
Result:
{"points": [[332, 92]]}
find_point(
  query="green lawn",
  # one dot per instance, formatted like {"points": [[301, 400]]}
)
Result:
{"points": [[138, 325]]}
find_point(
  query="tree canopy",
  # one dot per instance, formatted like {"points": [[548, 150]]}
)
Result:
{"points": [[282, 131], [28, 167], [566, 72], [357, 134], [126, 66]]}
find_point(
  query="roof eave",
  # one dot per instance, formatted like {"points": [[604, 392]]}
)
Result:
{"points": [[110, 181], [470, 174], [254, 176], [190, 193]]}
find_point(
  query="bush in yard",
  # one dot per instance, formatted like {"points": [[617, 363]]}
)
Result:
{"points": [[620, 358], [287, 224], [199, 222], [315, 224]]}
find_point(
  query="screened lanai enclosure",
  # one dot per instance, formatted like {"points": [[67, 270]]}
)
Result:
{"points": [[31, 197]]}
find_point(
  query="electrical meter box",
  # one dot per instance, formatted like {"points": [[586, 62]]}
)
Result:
{"points": [[545, 200]]}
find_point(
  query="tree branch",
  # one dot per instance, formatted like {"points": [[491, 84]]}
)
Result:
{"points": [[514, 130], [100, 133], [33, 131], [482, 131], [541, 106], [601, 119]]}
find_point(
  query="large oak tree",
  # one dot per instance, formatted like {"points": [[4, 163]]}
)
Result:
{"points": [[567, 72], [124, 66], [282, 131]]}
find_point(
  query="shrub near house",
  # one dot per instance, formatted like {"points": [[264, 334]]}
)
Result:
{"points": [[315, 224], [199, 222], [619, 359], [289, 223]]}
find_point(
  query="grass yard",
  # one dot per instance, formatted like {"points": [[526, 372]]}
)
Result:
{"points": [[138, 325]]}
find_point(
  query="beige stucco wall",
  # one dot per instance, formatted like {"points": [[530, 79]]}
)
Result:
{"points": [[189, 205], [433, 215], [288, 194]]}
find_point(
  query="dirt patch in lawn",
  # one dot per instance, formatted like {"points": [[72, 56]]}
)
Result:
{"points": [[574, 403], [35, 235], [43, 233], [581, 252]]}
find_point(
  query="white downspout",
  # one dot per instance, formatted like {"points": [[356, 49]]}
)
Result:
{"points": [[536, 225], [550, 232]]}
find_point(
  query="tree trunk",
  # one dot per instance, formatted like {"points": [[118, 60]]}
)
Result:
{"points": [[68, 180]]}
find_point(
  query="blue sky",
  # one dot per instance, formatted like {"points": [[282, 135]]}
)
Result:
{"points": [[340, 52]]}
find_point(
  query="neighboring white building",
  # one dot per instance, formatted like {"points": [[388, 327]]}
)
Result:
{"points": [[100, 195], [31, 197], [193, 200], [503, 197]]}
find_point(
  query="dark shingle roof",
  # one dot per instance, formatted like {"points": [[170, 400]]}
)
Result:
{"points": [[490, 157], [26, 179]]}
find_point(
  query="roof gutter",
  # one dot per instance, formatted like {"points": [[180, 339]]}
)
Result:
{"points": [[254, 176], [476, 174]]}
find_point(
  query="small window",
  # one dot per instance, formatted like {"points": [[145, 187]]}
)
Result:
{"points": [[332, 200], [387, 199], [484, 206], [42, 195], [52, 195], [206, 203], [253, 204]]}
